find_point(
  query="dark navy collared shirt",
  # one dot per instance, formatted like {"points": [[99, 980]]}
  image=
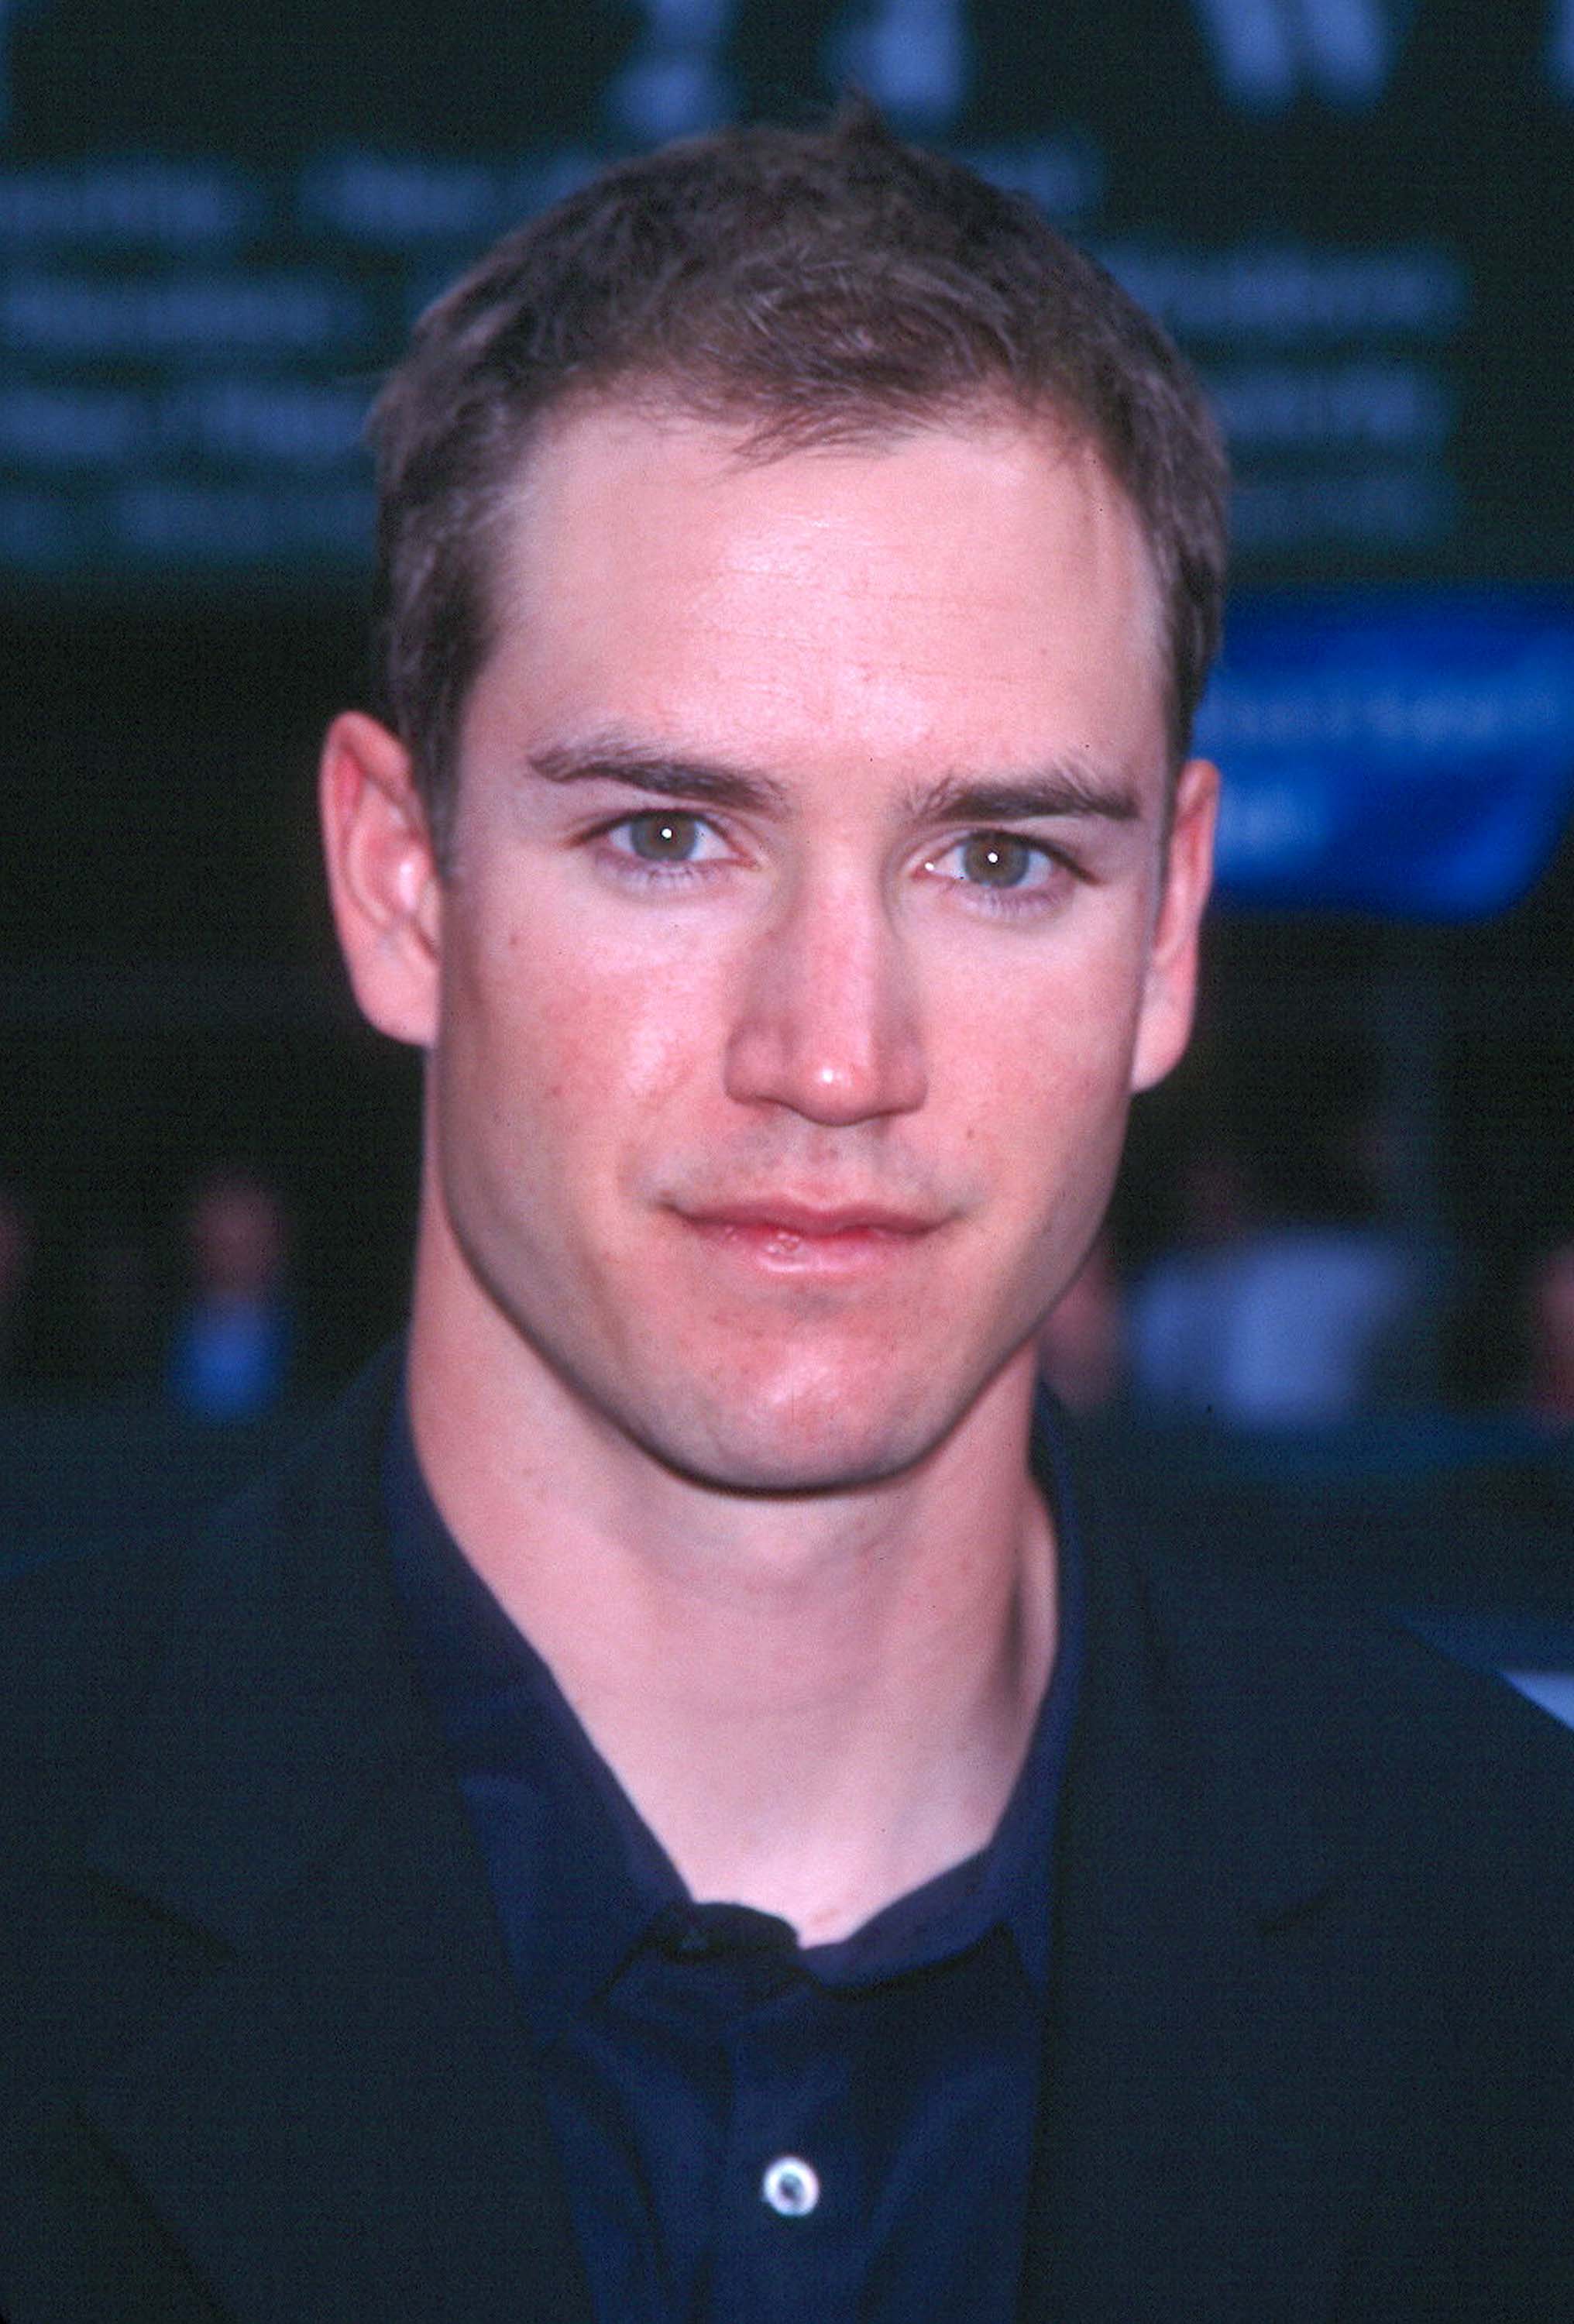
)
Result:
{"points": [[752, 2131]]}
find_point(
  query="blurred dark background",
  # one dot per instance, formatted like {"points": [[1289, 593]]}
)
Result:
{"points": [[215, 229]]}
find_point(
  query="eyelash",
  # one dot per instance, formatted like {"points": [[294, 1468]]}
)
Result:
{"points": [[1007, 902]]}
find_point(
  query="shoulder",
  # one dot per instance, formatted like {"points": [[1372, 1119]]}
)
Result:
{"points": [[1340, 1675], [1309, 1704], [79, 1638], [83, 1636]]}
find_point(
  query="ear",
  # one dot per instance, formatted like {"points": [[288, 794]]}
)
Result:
{"points": [[382, 877], [1169, 987]]}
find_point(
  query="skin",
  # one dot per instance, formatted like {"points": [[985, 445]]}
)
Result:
{"points": [[807, 924]]}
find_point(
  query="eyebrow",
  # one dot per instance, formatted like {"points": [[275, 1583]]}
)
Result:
{"points": [[705, 780], [1071, 788]]}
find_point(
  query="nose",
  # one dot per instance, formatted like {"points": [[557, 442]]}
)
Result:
{"points": [[825, 1017]]}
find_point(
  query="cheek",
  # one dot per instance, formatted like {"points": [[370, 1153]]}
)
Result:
{"points": [[1044, 1057], [553, 1032], [1067, 1137]]}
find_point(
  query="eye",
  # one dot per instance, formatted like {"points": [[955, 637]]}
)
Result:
{"points": [[663, 836], [995, 859]]}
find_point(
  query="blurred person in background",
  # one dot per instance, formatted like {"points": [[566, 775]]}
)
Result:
{"points": [[1177, 1310], [1270, 1315], [233, 1339]]}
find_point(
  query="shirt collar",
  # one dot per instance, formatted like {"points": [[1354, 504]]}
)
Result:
{"points": [[578, 1875]]}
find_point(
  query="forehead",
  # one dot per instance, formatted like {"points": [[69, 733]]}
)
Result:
{"points": [[952, 592]]}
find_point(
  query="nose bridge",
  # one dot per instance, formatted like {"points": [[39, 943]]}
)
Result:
{"points": [[826, 1017]]}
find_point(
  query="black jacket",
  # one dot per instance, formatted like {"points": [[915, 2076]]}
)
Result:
{"points": [[1312, 2038]]}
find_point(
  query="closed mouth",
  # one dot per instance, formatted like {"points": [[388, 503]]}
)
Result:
{"points": [[807, 1222]]}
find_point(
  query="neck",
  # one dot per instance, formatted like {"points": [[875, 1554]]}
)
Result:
{"points": [[816, 1702]]}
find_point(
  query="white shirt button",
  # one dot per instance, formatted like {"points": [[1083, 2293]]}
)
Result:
{"points": [[791, 2187]]}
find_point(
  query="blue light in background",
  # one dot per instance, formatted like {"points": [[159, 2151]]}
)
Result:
{"points": [[1405, 753]]}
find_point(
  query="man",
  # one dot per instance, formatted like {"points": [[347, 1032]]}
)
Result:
{"points": [[664, 1812]]}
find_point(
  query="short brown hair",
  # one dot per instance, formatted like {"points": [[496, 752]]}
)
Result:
{"points": [[819, 286]]}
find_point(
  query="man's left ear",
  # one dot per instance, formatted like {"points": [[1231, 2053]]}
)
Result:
{"points": [[382, 876], [1170, 988]]}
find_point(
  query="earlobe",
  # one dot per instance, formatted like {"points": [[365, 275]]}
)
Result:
{"points": [[1169, 987], [382, 876]]}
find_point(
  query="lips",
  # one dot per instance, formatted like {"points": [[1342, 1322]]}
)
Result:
{"points": [[808, 1222], [838, 1243]]}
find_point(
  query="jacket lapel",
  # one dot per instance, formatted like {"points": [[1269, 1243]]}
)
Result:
{"points": [[1200, 2121], [339, 2117]]}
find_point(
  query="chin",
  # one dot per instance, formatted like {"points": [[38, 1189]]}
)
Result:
{"points": [[820, 1444]]}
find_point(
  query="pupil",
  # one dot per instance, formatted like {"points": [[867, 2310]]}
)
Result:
{"points": [[996, 860], [663, 838]]}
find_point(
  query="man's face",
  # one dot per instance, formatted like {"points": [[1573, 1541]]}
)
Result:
{"points": [[798, 943]]}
